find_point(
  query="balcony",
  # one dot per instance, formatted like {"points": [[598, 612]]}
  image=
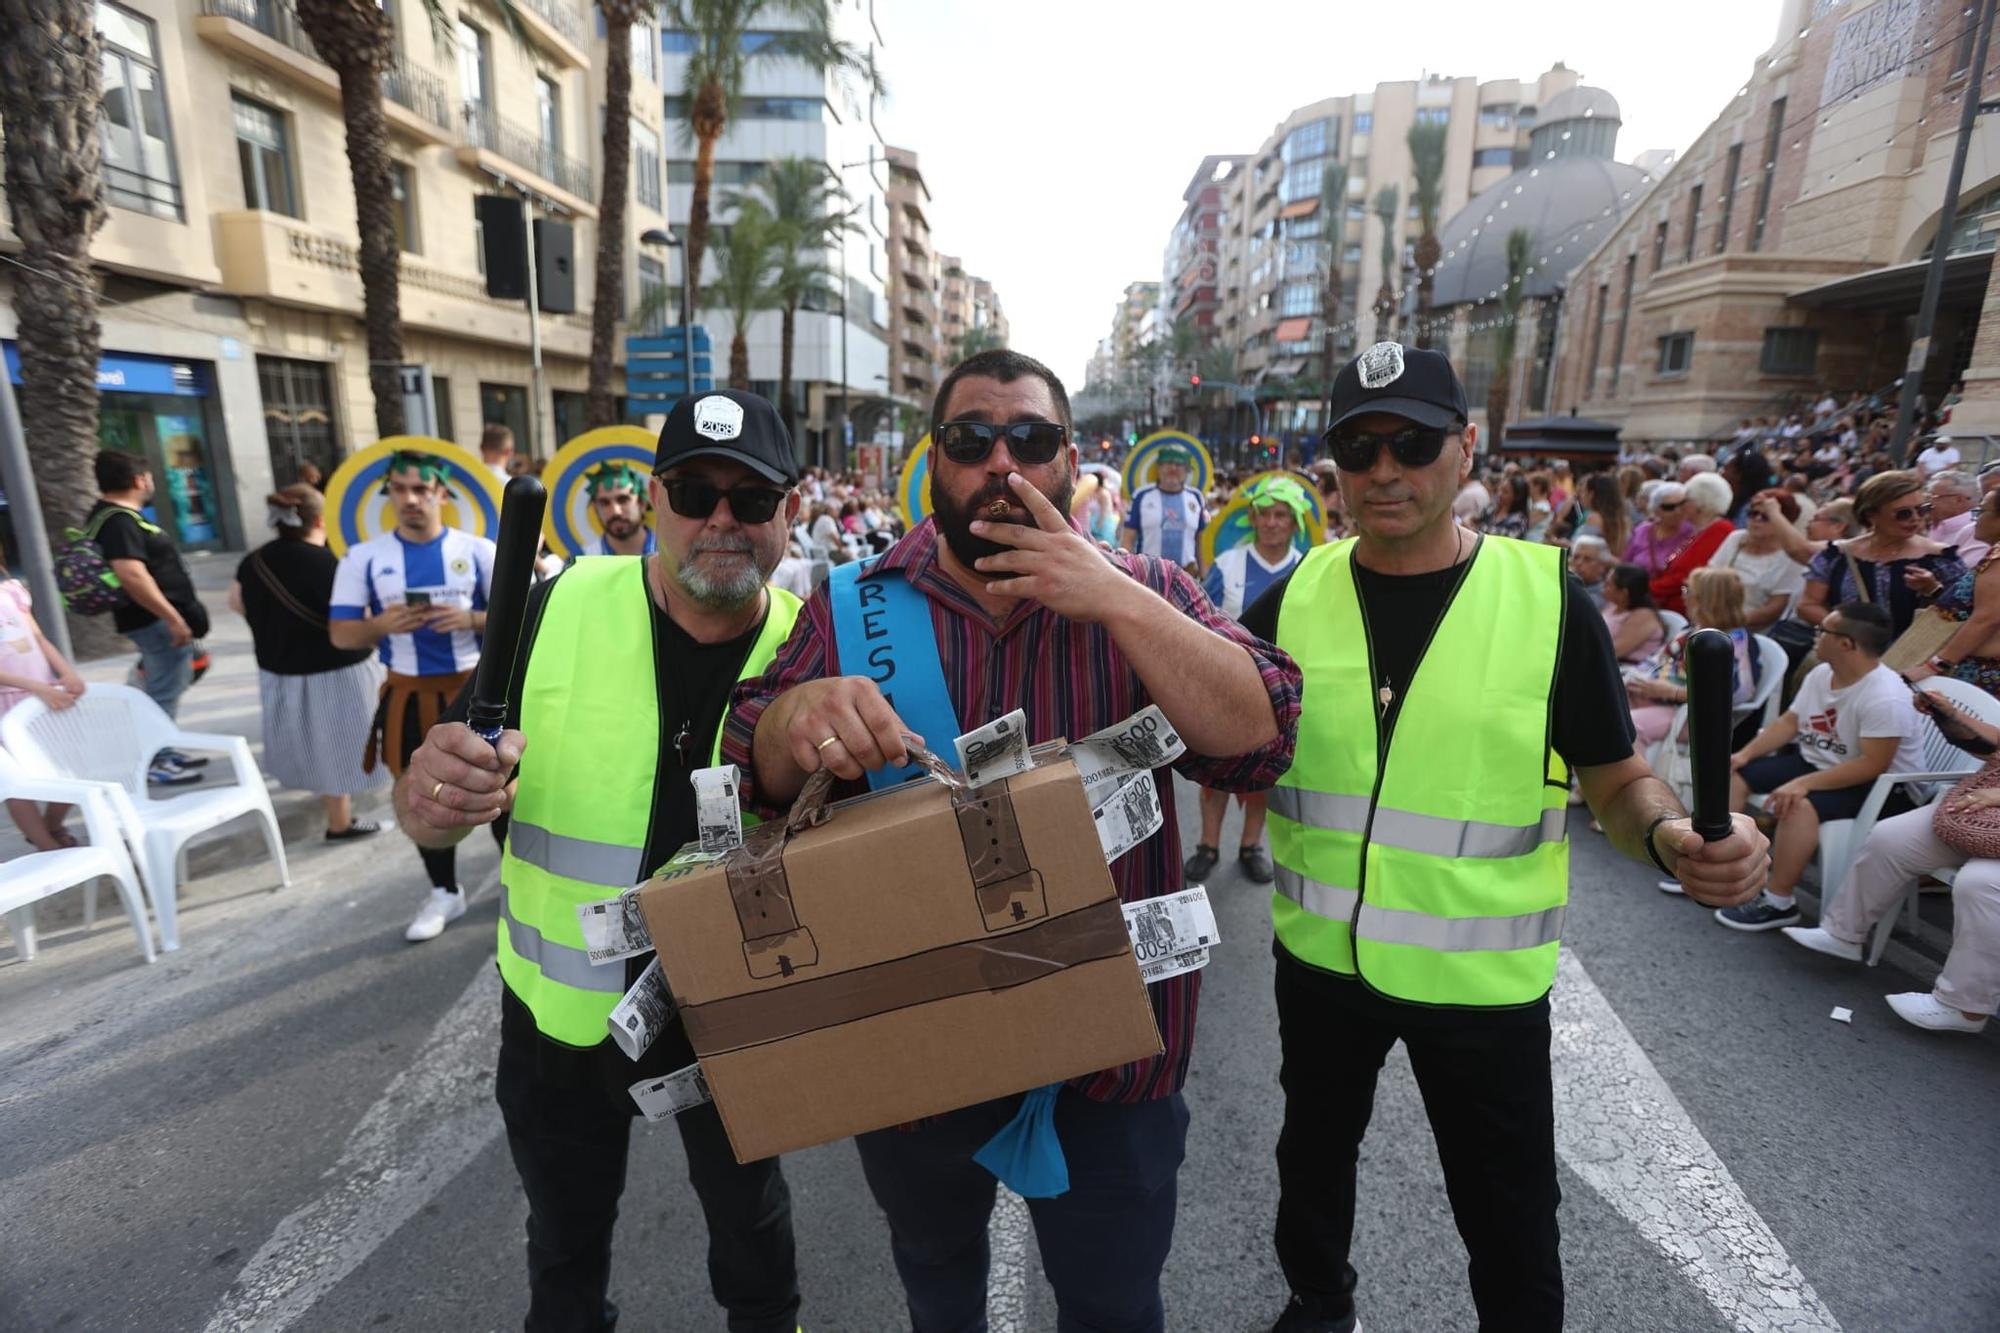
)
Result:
{"points": [[501, 148], [289, 262], [557, 26], [267, 33]]}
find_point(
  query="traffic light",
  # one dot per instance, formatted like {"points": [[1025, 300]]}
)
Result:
{"points": [[1194, 381], [1255, 441]]}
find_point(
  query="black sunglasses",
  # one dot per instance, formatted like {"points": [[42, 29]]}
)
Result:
{"points": [[1908, 512], [1355, 450], [1027, 441], [691, 497]]}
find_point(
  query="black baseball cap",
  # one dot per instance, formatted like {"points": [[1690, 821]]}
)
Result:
{"points": [[728, 423], [1402, 381]]}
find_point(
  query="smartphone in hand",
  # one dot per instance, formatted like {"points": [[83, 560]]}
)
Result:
{"points": [[419, 599]]}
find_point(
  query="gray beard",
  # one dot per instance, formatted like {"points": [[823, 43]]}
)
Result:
{"points": [[720, 591]]}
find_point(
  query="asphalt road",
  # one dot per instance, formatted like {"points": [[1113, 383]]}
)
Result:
{"points": [[288, 1124]]}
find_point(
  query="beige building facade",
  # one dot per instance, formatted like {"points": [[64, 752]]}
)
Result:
{"points": [[915, 278]]}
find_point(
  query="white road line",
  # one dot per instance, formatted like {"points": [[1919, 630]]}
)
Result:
{"points": [[1007, 1269], [1620, 1127], [430, 1122]]}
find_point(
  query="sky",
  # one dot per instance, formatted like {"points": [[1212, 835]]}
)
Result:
{"points": [[1056, 136]]}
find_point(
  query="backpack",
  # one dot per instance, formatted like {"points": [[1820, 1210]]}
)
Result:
{"points": [[85, 578]]}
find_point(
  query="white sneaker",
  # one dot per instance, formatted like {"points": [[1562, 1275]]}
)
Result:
{"points": [[1817, 939], [1670, 886], [1924, 1010], [442, 906]]}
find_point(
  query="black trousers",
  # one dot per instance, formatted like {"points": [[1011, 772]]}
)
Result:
{"points": [[569, 1123], [1487, 1090]]}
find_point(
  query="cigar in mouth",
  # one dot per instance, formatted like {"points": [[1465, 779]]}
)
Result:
{"points": [[998, 509]]}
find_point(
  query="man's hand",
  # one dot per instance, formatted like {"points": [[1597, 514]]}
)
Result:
{"points": [[1784, 799], [1717, 874], [1052, 562], [396, 618], [178, 632], [842, 723], [449, 619], [456, 780], [1737, 760]]}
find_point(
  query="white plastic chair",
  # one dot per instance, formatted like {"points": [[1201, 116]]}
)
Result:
{"points": [[1669, 754], [110, 735], [26, 880], [1942, 761], [1673, 622]]}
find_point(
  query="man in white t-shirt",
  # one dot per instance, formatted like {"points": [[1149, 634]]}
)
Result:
{"points": [[1166, 518], [1940, 456], [417, 594], [496, 450], [1851, 722]]}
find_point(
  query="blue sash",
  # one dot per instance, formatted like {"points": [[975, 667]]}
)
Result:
{"points": [[882, 627]]}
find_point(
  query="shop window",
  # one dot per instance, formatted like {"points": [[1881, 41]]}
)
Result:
{"points": [[1789, 351], [138, 144], [263, 149], [298, 416], [1677, 353]]}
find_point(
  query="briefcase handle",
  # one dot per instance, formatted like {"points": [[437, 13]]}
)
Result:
{"points": [[811, 808]]}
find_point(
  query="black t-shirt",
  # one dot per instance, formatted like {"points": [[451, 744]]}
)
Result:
{"points": [[121, 538], [1592, 722], [693, 683], [286, 642]]}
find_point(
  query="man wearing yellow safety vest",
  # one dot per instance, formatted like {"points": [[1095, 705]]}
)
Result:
{"points": [[618, 697], [1452, 684]]}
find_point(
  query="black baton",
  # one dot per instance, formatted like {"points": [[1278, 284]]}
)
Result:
{"points": [[1711, 660], [506, 604]]}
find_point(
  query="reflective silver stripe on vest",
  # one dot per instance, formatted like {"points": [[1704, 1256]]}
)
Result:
{"points": [[1460, 934], [1412, 832], [604, 863], [559, 962]]}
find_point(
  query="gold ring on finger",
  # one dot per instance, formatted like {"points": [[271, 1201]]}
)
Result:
{"points": [[437, 788], [828, 741]]}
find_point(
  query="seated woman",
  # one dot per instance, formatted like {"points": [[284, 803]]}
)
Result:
{"points": [[1907, 845], [1657, 690], [1708, 498], [1876, 568], [1637, 632]]}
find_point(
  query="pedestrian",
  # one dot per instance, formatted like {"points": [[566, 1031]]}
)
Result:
{"points": [[161, 614], [33, 668], [618, 693], [618, 498], [1238, 577], [1423, 864], [1165, 520], [310, 475], [1941, 455], [496, 450], [417, 595], [317, 699], [1025, 611]]}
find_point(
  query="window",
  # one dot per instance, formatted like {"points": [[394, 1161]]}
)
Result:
{"points": [[298, 416], [676, 42], [782, 108], [676, 108], [1357, 211], [1624, 321], [1499, 117], [138, 152], [1729, 175], [1352, 254], [568, 405], [548, 114], [1302, 229], [645, 51], [1659, 247], [1597, 338], [1493, 157], [1766, 174], [1433, 115], [441, 404], [265, 156], [645, 165], [1298, 298], [652, 307], [475, 83], [508, 405], [1676, 352], [681, 172], [1789, 352], [403, 186], [1307, 141], [1525, 117], [1693, 222], [1364, 121], [1303, 180]]}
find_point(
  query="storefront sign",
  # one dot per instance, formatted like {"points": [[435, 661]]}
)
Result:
{"points": [[120, 373], [1869, 48]]}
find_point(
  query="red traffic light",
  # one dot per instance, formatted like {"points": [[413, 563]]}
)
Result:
{"points": [[1254, 440], [1194, 381]]}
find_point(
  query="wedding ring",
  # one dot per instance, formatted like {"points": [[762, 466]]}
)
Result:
{"points": [[436, 789], [828, 741]]}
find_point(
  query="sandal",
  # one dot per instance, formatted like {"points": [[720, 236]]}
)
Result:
{"points": [[360, 828]]}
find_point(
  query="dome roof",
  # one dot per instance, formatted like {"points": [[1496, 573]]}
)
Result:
{"points": [[1567, 205], [1579, 103]]}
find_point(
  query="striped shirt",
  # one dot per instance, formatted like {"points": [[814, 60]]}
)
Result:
{"points": [[1072, 679], [454, 569]]}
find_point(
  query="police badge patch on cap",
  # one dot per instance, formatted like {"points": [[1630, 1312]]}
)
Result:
{"points": [[1381, 365], [719, 418]]}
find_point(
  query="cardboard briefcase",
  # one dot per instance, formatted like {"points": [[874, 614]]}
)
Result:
{"points": [[899, 955]]}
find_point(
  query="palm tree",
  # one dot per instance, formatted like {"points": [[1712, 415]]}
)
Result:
{"points": [[599, 408], [51, 98], [718, 63], [1426, 142], [1333, 227], [807, 212], [1499, 396], [356, 38], [1388, 203], [747, 261]]}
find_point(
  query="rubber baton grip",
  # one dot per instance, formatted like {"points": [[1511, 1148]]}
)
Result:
{"points": [[1711, 663], [507, 604]]}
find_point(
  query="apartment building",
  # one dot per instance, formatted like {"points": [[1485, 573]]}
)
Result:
{"points": [[232, 346], [1194, 249], [915, 280]]}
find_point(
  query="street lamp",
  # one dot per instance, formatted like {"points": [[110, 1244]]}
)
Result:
{"points": [[655, 236], [869, 163]]}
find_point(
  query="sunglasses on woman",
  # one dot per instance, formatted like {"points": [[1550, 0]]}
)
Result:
{"points": [[1355, 450], [691, 497], [1908, 512], [1032, 442]]}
